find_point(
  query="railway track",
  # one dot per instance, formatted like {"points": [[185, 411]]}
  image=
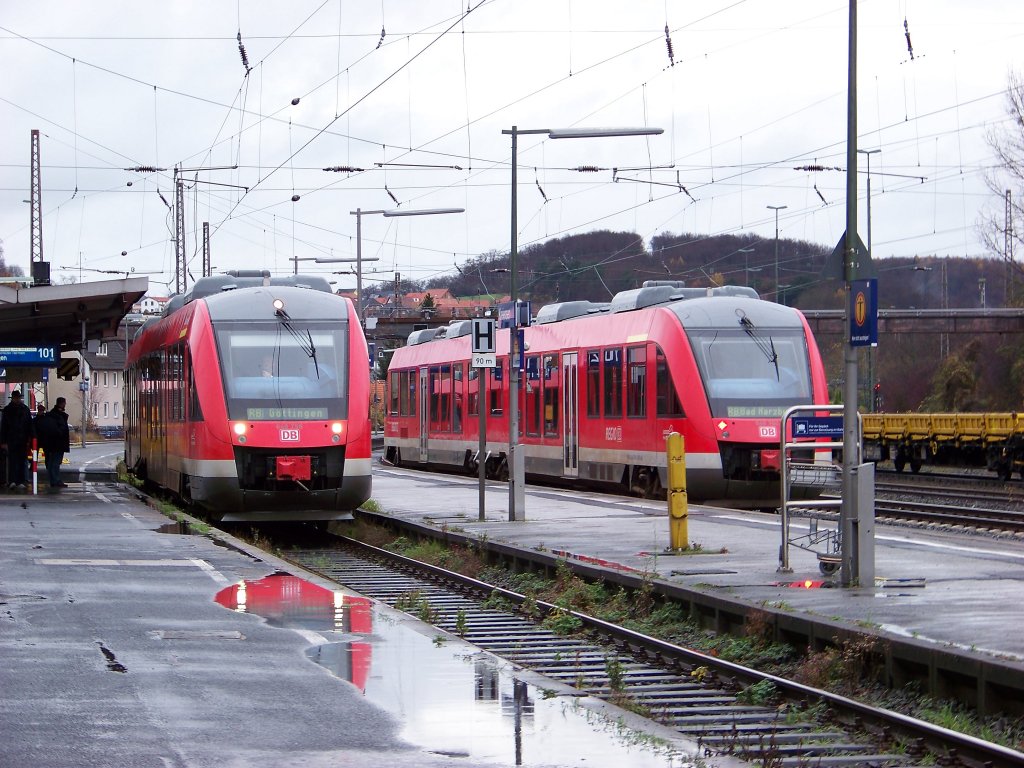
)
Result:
{"points": [[724, 707], [952, 500]]}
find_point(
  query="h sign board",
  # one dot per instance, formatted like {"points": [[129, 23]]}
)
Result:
{"points": [[485, 343], [484, 336]]}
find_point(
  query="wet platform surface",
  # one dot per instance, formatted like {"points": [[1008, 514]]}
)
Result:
{"points": [[128, 642], [955, 589]]}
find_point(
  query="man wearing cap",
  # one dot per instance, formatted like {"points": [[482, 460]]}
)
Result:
{"points": [[15, 432]]}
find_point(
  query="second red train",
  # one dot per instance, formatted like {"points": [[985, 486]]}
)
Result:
{"points": [[604, 384]]}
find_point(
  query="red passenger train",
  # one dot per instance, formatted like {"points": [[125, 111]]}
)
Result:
{"points": [[250, 399], [604, 384]]}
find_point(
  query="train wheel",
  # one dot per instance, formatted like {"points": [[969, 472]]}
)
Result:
{"points": [[502, 471], [915, 465], [899, 462], [1004, 471]]}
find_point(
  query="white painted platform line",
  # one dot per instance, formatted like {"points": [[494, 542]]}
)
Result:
{"points": [[202, 565]]}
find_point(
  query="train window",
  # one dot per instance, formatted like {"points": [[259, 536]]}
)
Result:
{"points": [[195, 407], [668, 404], [494, 390], [408, 393], [532, 396], [393, 391], [269, 374], [552, 394], [594, 383], [613, 383], [473, 392], [636, 382], [175, 378], [752, 375], [458, 397]]}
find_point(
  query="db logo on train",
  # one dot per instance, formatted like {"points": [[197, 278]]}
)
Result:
{"points": [[289, 435]]}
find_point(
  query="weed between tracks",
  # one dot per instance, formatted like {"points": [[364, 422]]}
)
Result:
{"points": [[847, 668]]}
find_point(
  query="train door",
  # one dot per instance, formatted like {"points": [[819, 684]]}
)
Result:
{"points": [[424, 411], [570, 403]]}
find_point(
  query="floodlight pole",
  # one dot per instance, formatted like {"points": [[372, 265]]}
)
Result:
{"points": [[516, 460], [777, 208], [848, 510], [359, 213]]}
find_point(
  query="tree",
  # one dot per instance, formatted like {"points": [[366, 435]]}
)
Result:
{"points": [[1006, 140]]}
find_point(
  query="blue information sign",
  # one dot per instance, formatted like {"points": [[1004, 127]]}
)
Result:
{"points": [[863, 313], [818, 426], [31, 356]]}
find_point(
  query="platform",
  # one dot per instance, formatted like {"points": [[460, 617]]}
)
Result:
{"points": [[126, 643], [952, 598]]}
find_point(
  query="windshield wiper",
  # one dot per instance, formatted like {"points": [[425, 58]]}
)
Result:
{"points": [[767, 347], [305, 344]]}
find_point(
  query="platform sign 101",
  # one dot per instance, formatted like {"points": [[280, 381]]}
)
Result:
{"points": [[31, 356]]}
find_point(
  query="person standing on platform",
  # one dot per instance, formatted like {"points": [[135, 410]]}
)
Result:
{"points": [[16, 430], [55, 440]]}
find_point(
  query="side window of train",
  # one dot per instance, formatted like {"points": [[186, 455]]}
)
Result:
{"points": [[552, 394], [176, 382], [458, 396], [593, 383], [494, 389], [636, 382], [613, 383], [532, 396], [668, 404], [409, 392], [473, 392], [195, 407], [393, 390]]}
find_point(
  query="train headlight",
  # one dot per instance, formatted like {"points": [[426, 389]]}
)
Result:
{"points": [[337, 429], [239, 429]]}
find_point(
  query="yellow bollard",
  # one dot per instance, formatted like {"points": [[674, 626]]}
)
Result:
{"points": [[678, 509]]}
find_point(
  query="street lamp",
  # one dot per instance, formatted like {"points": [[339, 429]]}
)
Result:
{"points": [[777, 208], [359, 213], [517, 464]]}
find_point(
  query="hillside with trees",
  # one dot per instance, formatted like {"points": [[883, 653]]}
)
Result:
{"points": [[932, 372]]}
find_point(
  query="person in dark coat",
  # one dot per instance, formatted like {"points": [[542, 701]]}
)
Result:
{"points": [[55, 440], [16, 430]]}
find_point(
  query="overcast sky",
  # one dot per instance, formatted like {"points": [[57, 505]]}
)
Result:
{"points": [[417, 93]]}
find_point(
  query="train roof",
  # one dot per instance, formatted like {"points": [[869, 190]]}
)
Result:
{"points": [[233, 280], [718, 307]]}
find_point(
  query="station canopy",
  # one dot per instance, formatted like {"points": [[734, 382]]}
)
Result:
{"points": [[62, 315]]}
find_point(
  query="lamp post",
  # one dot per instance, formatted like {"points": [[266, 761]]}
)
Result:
{"points": [[516, 462], [777, 208], [746, 264], [359, 213]]}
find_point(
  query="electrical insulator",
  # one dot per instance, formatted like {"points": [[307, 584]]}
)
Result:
{"points": [[587, 169]]}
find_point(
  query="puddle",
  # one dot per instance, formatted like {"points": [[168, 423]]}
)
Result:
{"points": [[181, 528], [450, 700]]}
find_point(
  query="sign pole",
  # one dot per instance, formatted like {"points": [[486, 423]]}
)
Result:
{"points": [[481, 456], [485, 347]]}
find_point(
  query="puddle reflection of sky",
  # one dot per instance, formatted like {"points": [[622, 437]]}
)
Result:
{"points": [[449, 701]]}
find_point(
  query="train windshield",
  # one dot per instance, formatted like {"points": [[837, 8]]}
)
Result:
{"points": [[273, 375], [752, 374]]}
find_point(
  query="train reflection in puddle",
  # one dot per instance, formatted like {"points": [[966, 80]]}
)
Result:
{"points": [[293, 603], [451, 699]]}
